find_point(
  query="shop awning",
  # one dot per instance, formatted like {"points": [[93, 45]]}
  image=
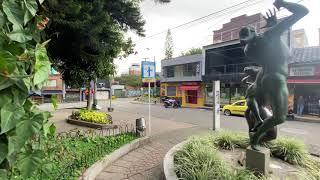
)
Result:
{"points": [[183, 88], [303, 81]]}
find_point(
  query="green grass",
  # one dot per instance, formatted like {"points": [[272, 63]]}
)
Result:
{"points": [[199, 158], [201, 161], [230, 140], [290, 150]]}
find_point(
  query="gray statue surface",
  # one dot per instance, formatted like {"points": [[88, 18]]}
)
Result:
{"points": [[270, 85]]}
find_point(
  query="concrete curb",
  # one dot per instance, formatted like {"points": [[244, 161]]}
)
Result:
{"points": [[137, 102], [301, 119], [168, 162], [90, 124], [93, 171]]}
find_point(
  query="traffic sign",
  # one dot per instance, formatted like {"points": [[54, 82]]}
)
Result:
{"points": [[148, 74], [148, 71]]}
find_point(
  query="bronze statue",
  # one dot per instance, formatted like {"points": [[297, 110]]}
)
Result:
{"points": [[270, 86]]}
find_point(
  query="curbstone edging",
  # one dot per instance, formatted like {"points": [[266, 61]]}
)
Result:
{"points": [[93, 171], [90, 124], [168, 162], [144, 103]]}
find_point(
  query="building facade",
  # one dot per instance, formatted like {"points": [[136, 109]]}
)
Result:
{"points": [[181, 79], [230, 31], [224, 60], [55, 86], [304, 79], [299, 38], [135, 69]]}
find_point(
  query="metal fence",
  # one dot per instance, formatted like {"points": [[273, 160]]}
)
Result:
{"points": [[92, 155]]}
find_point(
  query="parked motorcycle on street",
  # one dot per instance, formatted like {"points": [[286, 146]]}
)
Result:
{"points": [[170, 102]]}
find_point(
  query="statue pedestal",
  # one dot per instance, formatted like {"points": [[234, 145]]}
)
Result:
{"points": [[258, 161]]}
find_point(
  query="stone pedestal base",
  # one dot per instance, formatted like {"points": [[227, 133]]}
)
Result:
{"points": [[258, 161]]}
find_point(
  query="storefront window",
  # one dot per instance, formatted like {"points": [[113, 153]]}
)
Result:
{"points": [[171, 90]]}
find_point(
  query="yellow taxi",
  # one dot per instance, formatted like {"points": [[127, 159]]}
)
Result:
{"points": [[237, 108]]}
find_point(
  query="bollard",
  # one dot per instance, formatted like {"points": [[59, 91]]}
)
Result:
{"points": [[140, 127]]}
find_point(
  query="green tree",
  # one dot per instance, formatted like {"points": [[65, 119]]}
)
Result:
{"points": [[24, 67], [88, 35], [192, 51], [168, 46], [130, 80]]}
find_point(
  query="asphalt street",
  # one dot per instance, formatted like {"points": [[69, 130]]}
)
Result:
{"points": [[306, 131]]}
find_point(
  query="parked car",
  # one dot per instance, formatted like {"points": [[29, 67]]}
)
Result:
{"points": [[237, 108], [240, 107]]}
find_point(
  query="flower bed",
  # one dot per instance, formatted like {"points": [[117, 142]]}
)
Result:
{"points": [[92, 116], [202, 157], [68, 157]]}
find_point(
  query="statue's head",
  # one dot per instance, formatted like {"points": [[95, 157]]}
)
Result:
{"points": [[247, 34]]}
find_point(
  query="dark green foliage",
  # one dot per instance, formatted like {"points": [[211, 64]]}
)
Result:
{"points": [[24, 67], [67, 157], [130, 80], [88, 35], [168, 46], [192, 51]]}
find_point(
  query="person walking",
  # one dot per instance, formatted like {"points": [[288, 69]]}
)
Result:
{"points": [[300, 105]]}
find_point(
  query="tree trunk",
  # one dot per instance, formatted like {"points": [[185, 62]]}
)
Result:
{"points": [[95, 100], [89, 102]]}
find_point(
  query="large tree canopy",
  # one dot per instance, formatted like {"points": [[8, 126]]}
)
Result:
{"points": [[192, 51], [129, 80], [86, 35]]}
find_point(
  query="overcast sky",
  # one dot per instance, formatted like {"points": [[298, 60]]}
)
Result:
{"points": [[160, 17]]}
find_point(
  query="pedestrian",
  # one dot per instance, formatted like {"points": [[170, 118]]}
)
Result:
{"points": [[300, 105]]}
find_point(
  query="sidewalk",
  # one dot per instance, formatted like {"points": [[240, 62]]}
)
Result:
{"points": [[145, 163], [307, 118]]}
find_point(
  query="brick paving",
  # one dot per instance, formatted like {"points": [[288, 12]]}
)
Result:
{"points": [[145, 163]]}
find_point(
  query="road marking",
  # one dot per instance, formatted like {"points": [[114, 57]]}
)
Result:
{"points": [[294, 131]]}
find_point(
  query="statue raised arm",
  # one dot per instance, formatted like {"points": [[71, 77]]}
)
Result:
{"points": [[272, 55]]}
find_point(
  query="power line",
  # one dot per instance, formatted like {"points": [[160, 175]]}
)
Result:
{"points": [[195, 20]]}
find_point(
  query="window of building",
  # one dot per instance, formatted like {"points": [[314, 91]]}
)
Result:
{"points": [[170, 71], [52, 83], [191, 69], [171, 90]]}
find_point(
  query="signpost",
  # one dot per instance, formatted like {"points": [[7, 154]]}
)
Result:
{"points": [[216, 105], [148, 74]]}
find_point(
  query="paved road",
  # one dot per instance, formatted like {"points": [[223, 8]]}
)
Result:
{"points": [[306, 131]]}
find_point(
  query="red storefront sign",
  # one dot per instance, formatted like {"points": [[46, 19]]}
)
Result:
{"points": [[303, 81], [184, 88]]}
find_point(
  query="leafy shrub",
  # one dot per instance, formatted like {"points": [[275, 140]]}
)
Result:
{"points": [[67, 157], [92, 116], [290, 150], [230, 140]]}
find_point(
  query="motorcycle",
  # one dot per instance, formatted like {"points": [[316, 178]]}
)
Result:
{"points": [[169, 102]]}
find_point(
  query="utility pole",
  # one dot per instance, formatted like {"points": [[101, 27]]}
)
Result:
{"points": [[155, 79]]}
